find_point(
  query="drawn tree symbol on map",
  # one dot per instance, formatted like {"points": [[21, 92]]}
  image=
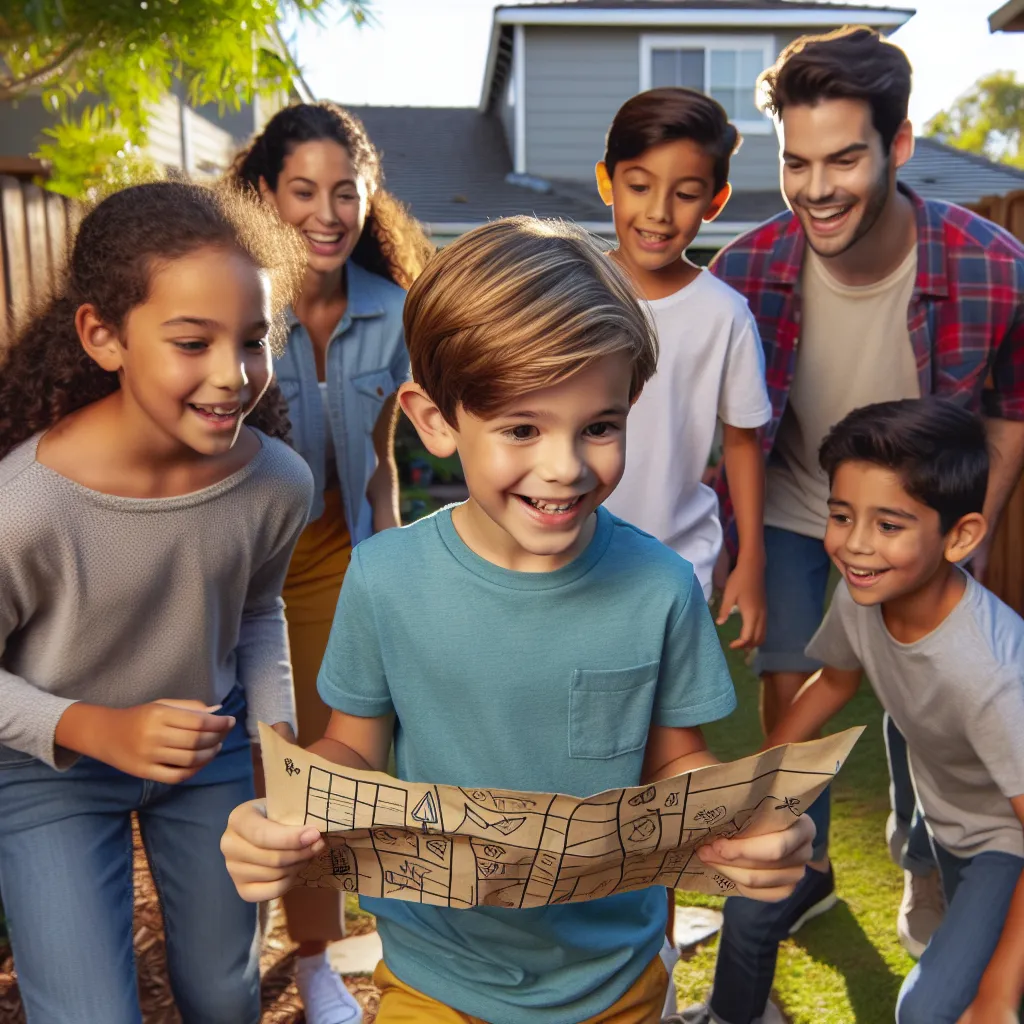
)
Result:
{"points": [[425, 812], [438, 847], [643, 798], [710, 816], [790, 803], [290, 767]]}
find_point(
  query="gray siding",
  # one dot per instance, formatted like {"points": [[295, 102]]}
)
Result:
{"points": [[576, 79], [507, 114]]}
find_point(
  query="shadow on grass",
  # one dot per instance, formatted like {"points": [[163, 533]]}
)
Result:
{"points": [[838, 940]]}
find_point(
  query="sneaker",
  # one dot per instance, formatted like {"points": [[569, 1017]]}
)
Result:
{"points": [[700, 1013], [815, 893], [921, 911], [896, 838], [323, 993]]}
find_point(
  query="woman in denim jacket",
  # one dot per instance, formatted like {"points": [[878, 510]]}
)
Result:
{"points": [[344, 361]]}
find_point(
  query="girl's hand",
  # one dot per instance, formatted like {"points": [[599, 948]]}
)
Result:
{"points": [[264, 857], [989, 1011], [166, 741], [744, 589], [765, 867]]}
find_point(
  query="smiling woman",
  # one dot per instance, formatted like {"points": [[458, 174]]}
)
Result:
{"points": [[315, 166]]}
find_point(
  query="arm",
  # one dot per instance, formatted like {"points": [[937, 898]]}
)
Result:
{"points": [[1002, 985], [744, 464], [822, 696], [672, 751], [1006, 448], [265, 857], [382, 490]]}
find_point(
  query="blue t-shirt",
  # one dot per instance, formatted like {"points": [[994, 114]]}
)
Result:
{"points": [[531, 681]]}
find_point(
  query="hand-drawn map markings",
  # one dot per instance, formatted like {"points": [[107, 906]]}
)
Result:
{"points": [[395, 839]]}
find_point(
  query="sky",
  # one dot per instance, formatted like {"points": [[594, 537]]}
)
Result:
{"points": [[432, 52]]}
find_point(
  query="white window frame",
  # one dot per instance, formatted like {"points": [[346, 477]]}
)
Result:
{"points": [[659, 41]]}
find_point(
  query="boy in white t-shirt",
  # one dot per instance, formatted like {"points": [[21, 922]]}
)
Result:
{"points": [[665, 171]]}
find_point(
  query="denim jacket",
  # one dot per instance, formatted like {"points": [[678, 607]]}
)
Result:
{"points": [[366, 361]]}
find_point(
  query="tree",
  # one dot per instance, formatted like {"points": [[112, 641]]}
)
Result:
{"points": [[101, 65], [988, 119]]}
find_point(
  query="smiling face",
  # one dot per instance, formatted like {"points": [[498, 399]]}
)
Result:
{"points": [[658, 201], [195, 358], [886, 544], [319, 193], [538, 468], [836, 176]]}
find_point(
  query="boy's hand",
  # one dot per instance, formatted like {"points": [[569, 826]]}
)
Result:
{"points": [[166, 741], [989, 1011], [765, 867], [744, 589], [264, 857]]}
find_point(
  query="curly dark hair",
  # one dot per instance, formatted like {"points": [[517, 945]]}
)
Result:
{"points": [[46, 374], [392, 244]]}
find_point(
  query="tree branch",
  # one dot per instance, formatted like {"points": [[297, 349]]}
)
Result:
{"points": [[14, 87]]}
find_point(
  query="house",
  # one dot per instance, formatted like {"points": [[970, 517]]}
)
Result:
{"points": [[557, 72], [1009, 17]]}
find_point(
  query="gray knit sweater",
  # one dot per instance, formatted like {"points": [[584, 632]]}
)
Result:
{"points": [[121, 601]]}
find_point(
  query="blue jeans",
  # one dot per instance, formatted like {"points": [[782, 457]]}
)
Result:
{"points": [[917, 856], [945, 980], [66, 879]]}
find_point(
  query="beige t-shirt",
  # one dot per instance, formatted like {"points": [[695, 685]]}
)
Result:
{"points": [[855, 349]]}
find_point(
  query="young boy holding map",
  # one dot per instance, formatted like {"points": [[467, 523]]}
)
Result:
{"points": [[526, 639]]}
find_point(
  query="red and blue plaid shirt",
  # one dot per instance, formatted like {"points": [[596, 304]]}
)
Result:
{"points": [[966, 313]]}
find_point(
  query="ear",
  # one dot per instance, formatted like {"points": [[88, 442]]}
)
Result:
{"points": [[435, 432], [965, 537], [267, 193], [718, 203], [99, 341], [903, 145], [604, 182]]}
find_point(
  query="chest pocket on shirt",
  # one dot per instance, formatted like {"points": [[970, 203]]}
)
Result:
{"points": [[373, 388], [610, 710]]}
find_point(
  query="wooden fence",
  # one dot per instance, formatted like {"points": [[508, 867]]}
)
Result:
{"points": [[35, 227], [1005, 574]]}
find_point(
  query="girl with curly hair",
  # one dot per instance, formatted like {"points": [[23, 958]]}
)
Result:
{"points": [[148, 512], [346, 356]]}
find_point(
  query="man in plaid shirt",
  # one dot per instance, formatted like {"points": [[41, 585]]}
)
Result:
{"points": [[863, 293]]}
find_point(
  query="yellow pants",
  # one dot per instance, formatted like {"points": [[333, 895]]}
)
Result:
{"points": [[400, 1004], [310, 596]]}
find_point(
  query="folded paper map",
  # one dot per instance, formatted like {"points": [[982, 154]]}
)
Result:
{"points": [[455, 847]]}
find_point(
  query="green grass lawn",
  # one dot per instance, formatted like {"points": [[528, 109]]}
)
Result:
{"points": [[846, 966]]}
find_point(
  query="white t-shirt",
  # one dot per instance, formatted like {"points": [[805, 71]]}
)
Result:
{"points": [[711, 368]]}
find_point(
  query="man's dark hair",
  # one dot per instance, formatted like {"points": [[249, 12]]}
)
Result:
{"points": [[937, 448], [849, 64], [667, 114]]}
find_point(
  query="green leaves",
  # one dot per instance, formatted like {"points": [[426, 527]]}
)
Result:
{"points": [[103, 64], [988, 119]]}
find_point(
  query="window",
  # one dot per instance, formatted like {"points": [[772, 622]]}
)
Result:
{"points": [[723, 67]]}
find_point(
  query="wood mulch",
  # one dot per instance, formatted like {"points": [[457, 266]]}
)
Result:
{"points": [[280, 998]]}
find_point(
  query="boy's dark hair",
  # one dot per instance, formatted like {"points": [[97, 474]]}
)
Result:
{"points": [[667, 114], [120, 244], [938, 449], [850, 64]]}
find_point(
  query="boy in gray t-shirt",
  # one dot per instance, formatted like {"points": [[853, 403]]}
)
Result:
{"points": [[946, 659]]}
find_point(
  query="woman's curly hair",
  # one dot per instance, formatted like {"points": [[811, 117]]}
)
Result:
{"points": [[392, 244], [46, 374]]}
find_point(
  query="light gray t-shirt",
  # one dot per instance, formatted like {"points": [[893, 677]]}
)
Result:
{"points": [[121, 601], [957, 696]]}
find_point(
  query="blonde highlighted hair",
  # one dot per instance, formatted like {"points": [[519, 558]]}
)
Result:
{"points": [[517, 305]]}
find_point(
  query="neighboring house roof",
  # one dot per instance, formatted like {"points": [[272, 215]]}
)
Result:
{"points": [[939, 171], [722, 15], [451, 166], [1008, 18]]}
